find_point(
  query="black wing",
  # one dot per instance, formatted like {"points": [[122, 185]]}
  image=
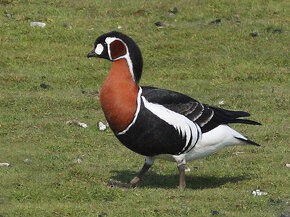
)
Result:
{"points": [[207, 117]]}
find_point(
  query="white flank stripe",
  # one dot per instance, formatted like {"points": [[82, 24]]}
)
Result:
{"points": [[136, 113], [181, 123]]}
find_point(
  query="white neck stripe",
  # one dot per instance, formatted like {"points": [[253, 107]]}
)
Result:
{"points": [[109, 40], [136, 113]]}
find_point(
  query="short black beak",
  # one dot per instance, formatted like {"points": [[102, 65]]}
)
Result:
{"points": [[92, 54]]}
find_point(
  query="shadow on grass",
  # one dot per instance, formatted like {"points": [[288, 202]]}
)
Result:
{"points": [[154, 180]]}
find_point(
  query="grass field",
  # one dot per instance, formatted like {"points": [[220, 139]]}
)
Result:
{"points": [[210, 62]]}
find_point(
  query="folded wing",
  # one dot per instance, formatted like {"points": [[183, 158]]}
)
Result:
{"points": [[207, 117]]}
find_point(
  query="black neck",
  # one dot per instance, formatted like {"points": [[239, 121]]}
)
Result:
{"points": [[136, 58]]}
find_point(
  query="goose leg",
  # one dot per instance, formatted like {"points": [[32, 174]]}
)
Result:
{"points": [[147, 165], [182, 183], [180, 160]]}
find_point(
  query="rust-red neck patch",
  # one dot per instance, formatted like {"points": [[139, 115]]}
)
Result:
{"points": [[119, 96], [117, 49]]}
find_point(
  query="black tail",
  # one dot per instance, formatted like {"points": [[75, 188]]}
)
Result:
{"points": [[250, 142], [245, 121], [225, 116]]}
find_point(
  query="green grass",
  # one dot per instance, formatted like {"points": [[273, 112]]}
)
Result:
{"points": [[208, 62]]}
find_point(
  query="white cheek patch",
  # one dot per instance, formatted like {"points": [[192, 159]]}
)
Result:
{"points": [[99, 49]]}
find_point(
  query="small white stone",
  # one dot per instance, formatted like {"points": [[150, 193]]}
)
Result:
{"points": [[4, 164], [102, 126], [288, 165], [221, 102], [79, 160], [119, 27], [76, 122], [26, 160], [258, 192], [38, 24], [83, 125]]}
